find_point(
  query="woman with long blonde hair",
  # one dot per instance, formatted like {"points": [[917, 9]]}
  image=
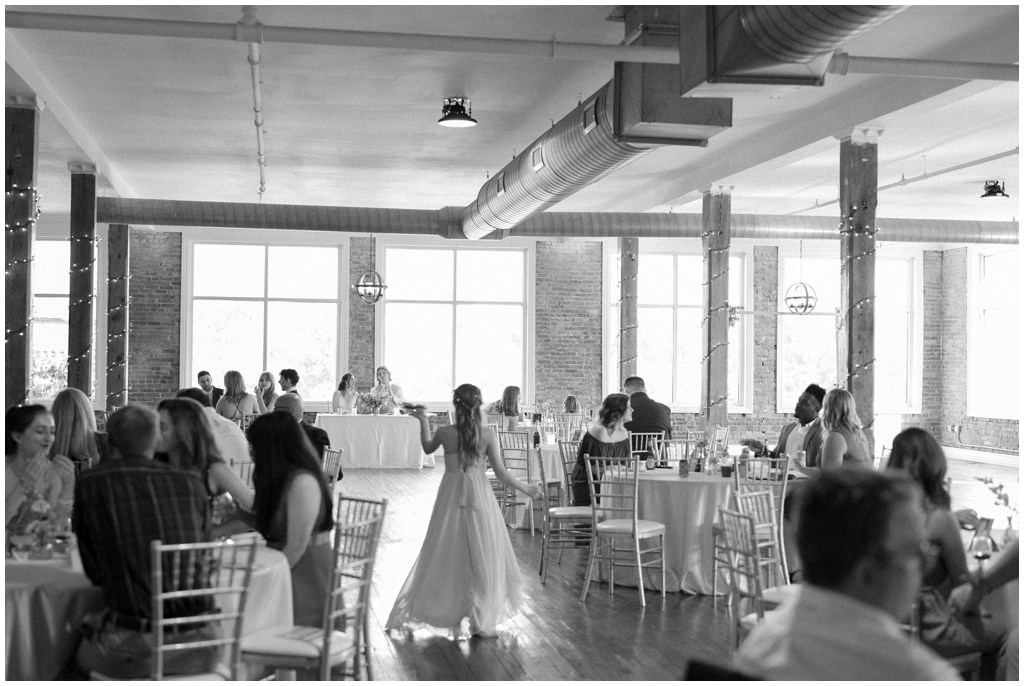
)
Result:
{"points": [[236, 403], [265, 394], [466, 567], [76, 428], [845, 445]]}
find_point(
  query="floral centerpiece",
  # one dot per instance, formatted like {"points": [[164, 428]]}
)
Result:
{"points": [[373, 403], [1002, 501], [31, 528]]}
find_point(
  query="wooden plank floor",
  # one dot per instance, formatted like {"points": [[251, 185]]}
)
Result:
{"points": [[555, 637]]}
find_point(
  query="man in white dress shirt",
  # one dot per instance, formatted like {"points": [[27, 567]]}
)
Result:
{"points": [[230, 440], [862, 541]]}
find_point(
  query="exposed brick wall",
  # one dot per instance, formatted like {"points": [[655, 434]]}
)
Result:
{"points": [[361, 317], [568, 321], [154, 316]]}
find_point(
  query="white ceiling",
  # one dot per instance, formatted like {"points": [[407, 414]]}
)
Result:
{"points": [[172, 118]]}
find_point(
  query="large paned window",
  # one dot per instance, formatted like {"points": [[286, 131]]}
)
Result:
{"points": [[50, 288], [994, 345], [669, 316], [266, 307], [807, 343], [454, 317]]}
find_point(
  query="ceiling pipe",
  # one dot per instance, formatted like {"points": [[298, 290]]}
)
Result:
{"points": [[914, 179], [249, 19], [552, 49], [594, 225], [843, 64]]}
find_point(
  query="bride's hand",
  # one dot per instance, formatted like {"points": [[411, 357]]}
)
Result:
{"points": [[535, 491]]}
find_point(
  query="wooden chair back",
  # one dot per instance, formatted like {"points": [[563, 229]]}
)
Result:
{"points": [[614, 486], [331, 466], [568, 451]]}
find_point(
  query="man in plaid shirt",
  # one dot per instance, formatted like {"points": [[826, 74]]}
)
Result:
{"points": [[121, 506]]}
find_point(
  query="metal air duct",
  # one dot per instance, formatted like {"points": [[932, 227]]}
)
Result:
{"points": [[578, 150]]}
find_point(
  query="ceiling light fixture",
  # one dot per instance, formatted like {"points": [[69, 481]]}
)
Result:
{"points": [[995, 189], [457, 113]]}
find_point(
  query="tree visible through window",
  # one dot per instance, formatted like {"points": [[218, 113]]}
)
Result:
{"points": [[454, 317], [50, 288], [267, 307]]}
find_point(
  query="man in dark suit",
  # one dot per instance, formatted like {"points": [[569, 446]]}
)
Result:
{"points": [[648, 415], [292, 404], [206, 383]]}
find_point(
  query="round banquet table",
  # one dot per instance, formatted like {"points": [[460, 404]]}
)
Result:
{"points": [[46, 601], [688, 507], [376, 441]]}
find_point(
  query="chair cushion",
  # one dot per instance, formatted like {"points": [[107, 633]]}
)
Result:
{"points": [[573, 512], [620, 527], [777, 594], [295, 641]]}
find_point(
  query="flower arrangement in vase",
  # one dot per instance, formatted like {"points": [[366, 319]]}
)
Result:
{"points": [[30, 530], [1002, 501], [371, 403]]}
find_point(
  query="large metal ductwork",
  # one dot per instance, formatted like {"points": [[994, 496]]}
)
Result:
{"points": [[766, 46], [578, 150], [553, 225], [759, 43]]}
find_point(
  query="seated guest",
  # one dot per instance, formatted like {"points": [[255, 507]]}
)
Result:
{"points": [[291, 404], [293, 509], [228, 437], [388, 390], [967, 598], [344, 399], [31, 473], [289, 380], [805, 433], [571, 405], [264, 392], [124, 504], [917, 453], [206, 383], [236, 403], [860, 538], [76, 428], [605, 438], [508, 408], [187, 440], [648, 415], [844, 443]]}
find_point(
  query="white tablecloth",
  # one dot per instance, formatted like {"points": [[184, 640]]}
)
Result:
{"points": [[376, 441], [46, 601], [687, 507]]}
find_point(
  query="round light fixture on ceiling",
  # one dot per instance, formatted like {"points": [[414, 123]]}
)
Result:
{"points": [[370, 287]]}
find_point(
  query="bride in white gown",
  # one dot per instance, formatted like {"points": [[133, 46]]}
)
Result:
{"points": [[466, 567]]}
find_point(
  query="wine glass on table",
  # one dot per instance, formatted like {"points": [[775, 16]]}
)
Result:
{"points": [[981, 547]]}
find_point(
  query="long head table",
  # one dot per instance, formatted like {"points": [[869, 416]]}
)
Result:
{"points": [[46, 601], [376, 441]]}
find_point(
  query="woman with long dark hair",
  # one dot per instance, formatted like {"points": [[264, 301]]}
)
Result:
{"points": [[466, 567], [293, 509], [607, 437], [916, 452], [344, 399], [31, 474], [187, 439]]}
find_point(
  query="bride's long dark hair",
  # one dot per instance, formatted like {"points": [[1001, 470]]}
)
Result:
{"points": [[467, 401]]}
